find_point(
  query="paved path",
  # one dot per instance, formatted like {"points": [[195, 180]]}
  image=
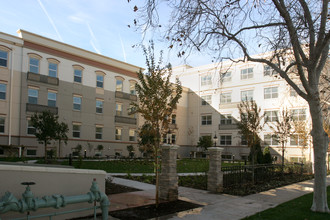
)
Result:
{"points": [[216, 206]]}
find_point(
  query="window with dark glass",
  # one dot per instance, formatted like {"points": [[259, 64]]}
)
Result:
{"points": [[3, 91], [3, 58], [52, 99], [77, 76], [33, 96]]}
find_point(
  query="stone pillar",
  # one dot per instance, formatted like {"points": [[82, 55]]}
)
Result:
{"points": [[215, 175], [168, 182]]}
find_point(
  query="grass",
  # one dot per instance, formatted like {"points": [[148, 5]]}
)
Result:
{"points": [[144, 166], [297, 209]]}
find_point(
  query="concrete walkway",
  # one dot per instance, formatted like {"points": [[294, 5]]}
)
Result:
{"points": [[216, 206]]}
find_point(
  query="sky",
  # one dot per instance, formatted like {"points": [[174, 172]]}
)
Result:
{"points": [[100, 26]]}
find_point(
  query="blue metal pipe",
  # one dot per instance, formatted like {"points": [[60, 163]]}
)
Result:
{"points": [[28, 203]]}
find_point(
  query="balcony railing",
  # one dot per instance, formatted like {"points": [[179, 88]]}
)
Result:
{"points": [[125, 120], [42, 78], [40, 108], [228, 126], [124, 95]]}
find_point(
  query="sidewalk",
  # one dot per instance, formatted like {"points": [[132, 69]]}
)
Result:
{"points": [[216, 206]]}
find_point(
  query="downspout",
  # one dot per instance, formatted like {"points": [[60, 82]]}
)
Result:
{"points": [[11, 96]]}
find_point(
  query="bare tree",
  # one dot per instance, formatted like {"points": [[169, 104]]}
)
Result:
{"points": [[296, 31], [282, 130]]}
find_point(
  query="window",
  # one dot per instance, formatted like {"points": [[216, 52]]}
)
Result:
{"points": [[2, 125], [31, 152], [52, 99], [225, 119], [119, 85], [293, 92], [77, 103], [225, 98], [173, 119], [52, 69], [3, 91], [119, 109], [247, 73], [243, 140], [131, 135], [298, 114], [206, 80], [76, 130], [271, 116], [206, 100], [297, 140], [132, 90], [98, 133], [131, 111], [270, 139], [3, 58], [225, 140], [77, 76], [206, 119], [271, 93], [268, 71], [118, 134], [225, 77], [297, 159], [99, 81], [30, 129], [173, 138], [99, 106], [247, 95], [2, 151], [34, 65], [33, 96]]}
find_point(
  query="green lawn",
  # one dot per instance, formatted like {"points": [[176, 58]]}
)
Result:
{"points": [[297, 209], [143, 166]]}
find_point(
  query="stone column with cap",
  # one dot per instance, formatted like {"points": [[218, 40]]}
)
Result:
{"points": [[215, 175], [168, 182]]}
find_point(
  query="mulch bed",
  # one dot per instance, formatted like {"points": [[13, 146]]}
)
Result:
{"points": [[150, 211], [112, 188]]}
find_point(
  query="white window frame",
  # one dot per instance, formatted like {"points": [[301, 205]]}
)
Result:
{"points": [[77, 75], [77, 100], [132, 89], [52, 72], [98, 133], [2, 124], [226, 119], [271, 116], [30, 130], [270, 140], [32, 96], [246, 95], [206, 80], [206, 99], [119, 109], [206, 119], [225, 98], [271, 93], [131, 133], [118, 134], [225, 140], [119, 85], [298, 114], [99, 106], [3, 91], [247, 73], [51, 99], [33, 65], [100, 81], [76, 132], [4, 56], [225, 77]]}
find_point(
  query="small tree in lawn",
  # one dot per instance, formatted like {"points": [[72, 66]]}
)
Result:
{"points": [[157, 100], [100, 148], [90, 148], [250, 126], [46, 125], [130, 150], [61, 131], [205, 142], [282, 130]]}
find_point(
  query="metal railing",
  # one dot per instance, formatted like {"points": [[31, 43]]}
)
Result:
{"points": [[8, 203], [244, 173]]}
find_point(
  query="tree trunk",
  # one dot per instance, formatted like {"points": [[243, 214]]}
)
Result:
{"points": [[282, 160], [45, 151], [320, 144], [157, 177]]}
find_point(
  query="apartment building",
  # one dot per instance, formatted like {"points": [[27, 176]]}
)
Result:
{"points": [[90, 92], [217, 89]]}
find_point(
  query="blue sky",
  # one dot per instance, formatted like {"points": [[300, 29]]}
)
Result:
{"points": [[100, 26]]}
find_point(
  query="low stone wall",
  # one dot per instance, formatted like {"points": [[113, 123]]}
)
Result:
{"points": [[49, 181]]}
